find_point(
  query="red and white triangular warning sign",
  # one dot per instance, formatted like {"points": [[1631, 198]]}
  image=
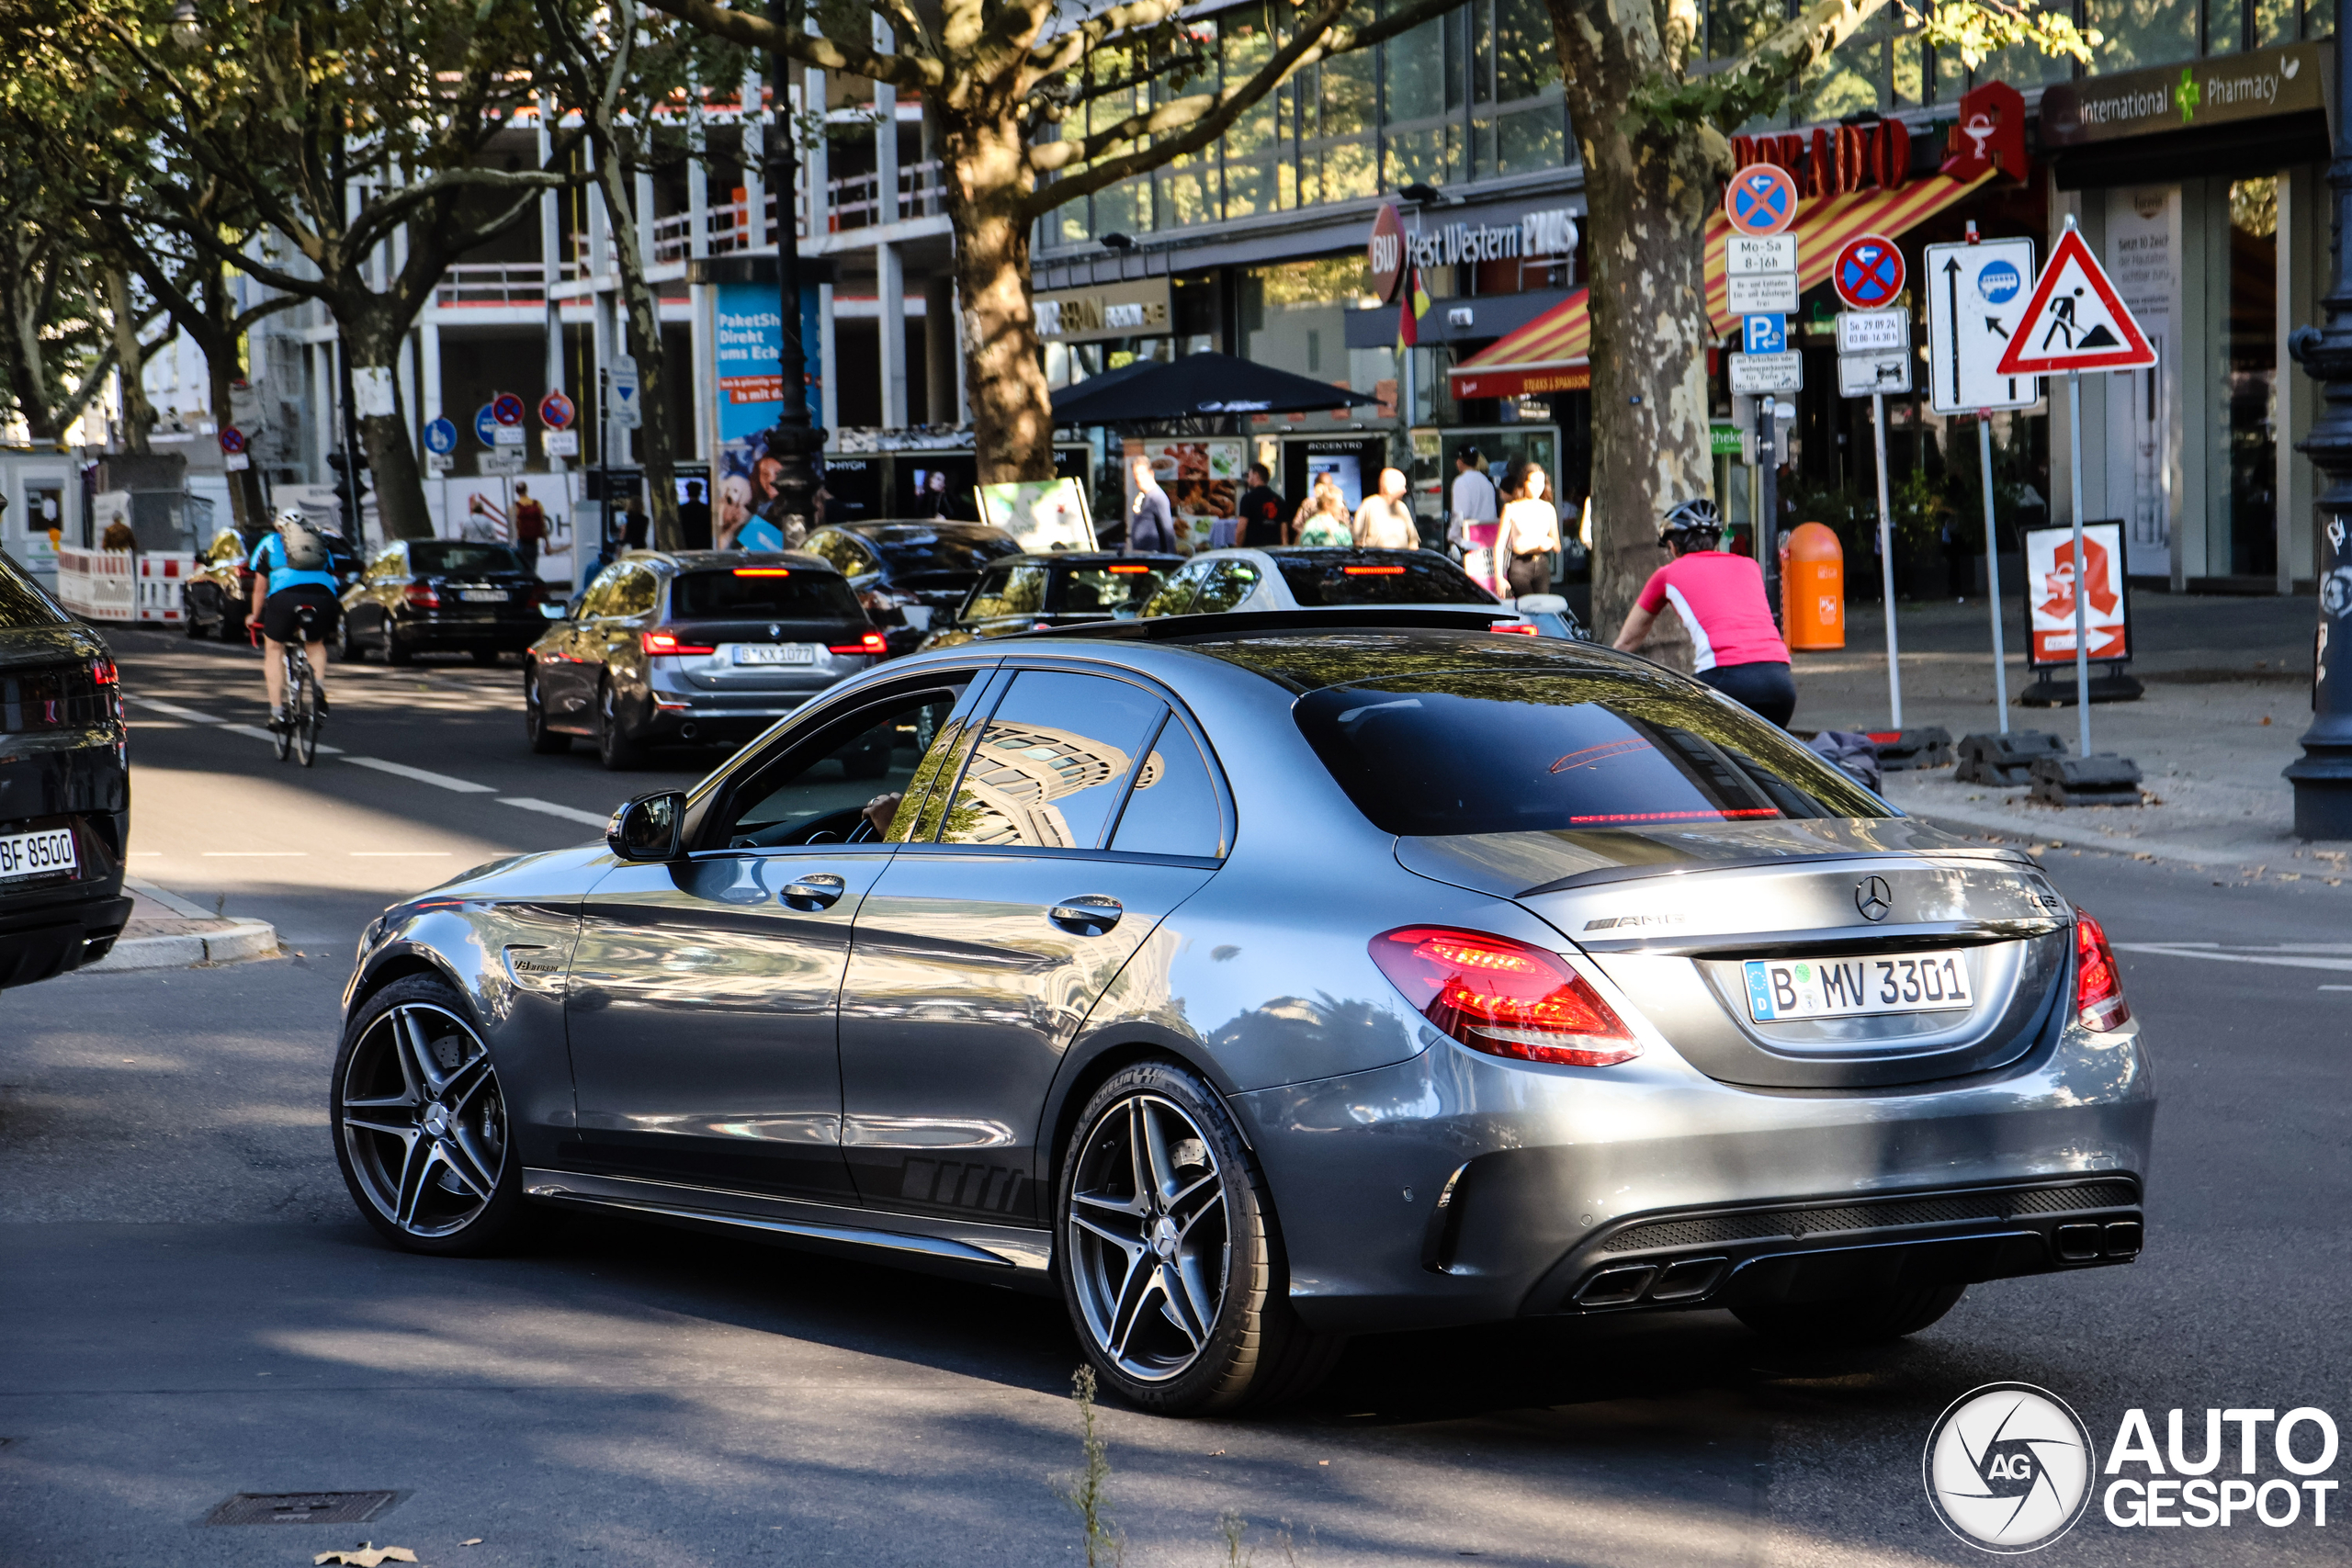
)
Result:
{"points": [[2075, 321]]}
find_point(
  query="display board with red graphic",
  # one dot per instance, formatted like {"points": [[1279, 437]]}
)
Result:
{"points": [[2050, 581]]}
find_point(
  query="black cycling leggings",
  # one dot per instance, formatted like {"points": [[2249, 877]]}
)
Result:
{"points": [[1765, 686]]}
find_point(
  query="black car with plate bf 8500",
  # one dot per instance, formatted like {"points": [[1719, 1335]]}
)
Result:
{"points": [[693, 647], [65, 788]]}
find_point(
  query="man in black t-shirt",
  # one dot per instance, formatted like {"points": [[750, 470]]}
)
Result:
{"points": [[1260, 511], [694, 518]]}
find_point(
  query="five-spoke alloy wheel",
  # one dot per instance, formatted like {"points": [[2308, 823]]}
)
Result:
{"points": [[1168, 1257], [422, 1130]]}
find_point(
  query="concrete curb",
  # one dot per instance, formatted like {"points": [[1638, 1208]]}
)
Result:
{"points": [[2079, 830], [239, 939]]}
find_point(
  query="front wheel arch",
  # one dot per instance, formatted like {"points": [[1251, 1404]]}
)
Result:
{"points": [[1089, 1062]]}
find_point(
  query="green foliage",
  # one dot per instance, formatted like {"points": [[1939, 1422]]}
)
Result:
{"points": [[1088, 1493]]}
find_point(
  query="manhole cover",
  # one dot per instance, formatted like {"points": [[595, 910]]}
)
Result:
{"points": [[301, 1507]]}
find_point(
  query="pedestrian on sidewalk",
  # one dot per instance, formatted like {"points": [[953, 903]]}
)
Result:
{"points": [[1529, 536], [1322, 522], [1151, 525], [1260, 508], [1720, 596], [1384, 522], [484, 524], [530, 520]]}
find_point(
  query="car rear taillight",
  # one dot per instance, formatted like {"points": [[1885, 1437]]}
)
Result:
{"points": [[872, 643], [1373, 570], [423, 595], [104, 672], [1126, 568], [660, 642], [2099, 985], [1503, 997], [1520, 628], [764, 571]]}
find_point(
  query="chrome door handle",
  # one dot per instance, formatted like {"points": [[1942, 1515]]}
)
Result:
{"points": [[1090, 914], [819, 890]]}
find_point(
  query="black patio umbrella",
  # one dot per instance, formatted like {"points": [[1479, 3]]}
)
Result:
{"points": [[1196, 386]]}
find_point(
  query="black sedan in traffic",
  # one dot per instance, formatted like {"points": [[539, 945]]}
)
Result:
{"points": [[64, 787], [694, 648], [911, 577], [434, 595], [1059, 588]]}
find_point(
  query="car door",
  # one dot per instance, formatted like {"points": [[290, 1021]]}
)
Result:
{"points": [[568, 680], [980, 952], [703, 990]]}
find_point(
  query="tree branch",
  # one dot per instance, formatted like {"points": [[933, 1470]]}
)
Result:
{"points": [[900, 70], [1212, 114]]}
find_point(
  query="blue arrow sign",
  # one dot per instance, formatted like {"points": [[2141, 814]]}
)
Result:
{"points": [[486, 426], [1764, 334], [440, 436]]}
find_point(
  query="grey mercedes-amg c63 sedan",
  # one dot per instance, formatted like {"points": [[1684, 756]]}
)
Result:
{"points": [[1253, 980]]}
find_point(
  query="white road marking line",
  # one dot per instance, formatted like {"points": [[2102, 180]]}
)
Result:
{"points": [[573, 814], [255, 855], [2337, 987], [176, 711], [258, 733], [2170, 950], [422, 775], [400, 854]]}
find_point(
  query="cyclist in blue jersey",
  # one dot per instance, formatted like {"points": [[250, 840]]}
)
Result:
{"points": [[294, 597]]}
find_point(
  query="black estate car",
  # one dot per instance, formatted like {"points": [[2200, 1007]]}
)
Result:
{"points": [[1058, 587], [910, 576], [693, 647], [64, 787], [421, 595]]}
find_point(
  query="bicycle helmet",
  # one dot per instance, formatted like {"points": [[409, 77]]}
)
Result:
{"points": [[1693, 524], [289, 517]]}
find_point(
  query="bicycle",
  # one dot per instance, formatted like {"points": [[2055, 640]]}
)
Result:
{"points": [[299, 734]]}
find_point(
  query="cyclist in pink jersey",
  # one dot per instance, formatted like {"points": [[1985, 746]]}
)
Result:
{"points": [[1720, 597]]}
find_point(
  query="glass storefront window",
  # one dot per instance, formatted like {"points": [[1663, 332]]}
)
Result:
{"points": [[2277, 21], [2141, 33], [1848, 81], [2251, 388], [1254, 152], [1291, 318]]}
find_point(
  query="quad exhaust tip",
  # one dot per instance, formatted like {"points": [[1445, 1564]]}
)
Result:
{"points": [[1685, 1280]]}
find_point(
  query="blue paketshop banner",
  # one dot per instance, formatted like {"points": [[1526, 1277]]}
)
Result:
{"points": [[748, 341]]}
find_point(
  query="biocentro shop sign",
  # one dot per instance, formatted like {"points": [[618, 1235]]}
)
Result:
{"points": [[2009, 1468]]}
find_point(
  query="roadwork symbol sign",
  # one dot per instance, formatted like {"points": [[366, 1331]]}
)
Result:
{"points": [[2075, 321]]}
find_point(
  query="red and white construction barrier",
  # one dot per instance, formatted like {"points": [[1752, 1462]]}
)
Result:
{"points": [[124, 585]]}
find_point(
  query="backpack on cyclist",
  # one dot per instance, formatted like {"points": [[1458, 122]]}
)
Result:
{"points": [[306, 548]]}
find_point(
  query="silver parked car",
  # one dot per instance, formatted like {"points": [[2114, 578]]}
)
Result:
{"points": [[1253, 980], [1313, 577]]}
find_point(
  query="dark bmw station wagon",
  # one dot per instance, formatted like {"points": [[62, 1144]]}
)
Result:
{"points": [[65, 788], [693, 647]]}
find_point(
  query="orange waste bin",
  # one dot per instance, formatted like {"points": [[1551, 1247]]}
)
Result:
{"points": [[1812, 587]]}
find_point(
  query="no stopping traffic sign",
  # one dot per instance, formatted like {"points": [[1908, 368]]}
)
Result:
{"points": [[1868, 273]]}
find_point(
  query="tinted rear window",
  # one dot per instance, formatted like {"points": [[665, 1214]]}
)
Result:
{"points": [[907, 551], [22, 603], [443, 555], [747, 593], [1503, 751], [1120, 588], [1404, 577]]}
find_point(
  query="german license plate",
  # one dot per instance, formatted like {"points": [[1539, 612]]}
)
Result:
{"points": [[774, 653], [44, 854], [1782, 988], [481, 595]]}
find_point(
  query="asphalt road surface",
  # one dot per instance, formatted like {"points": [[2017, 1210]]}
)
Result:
{"points": [[193, 1309]]}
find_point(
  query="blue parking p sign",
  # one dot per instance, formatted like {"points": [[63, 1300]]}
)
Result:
{"points": [[1764, 334]]}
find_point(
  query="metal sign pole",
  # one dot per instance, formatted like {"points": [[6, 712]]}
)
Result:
{"points": [[1887, 559], [2082, 584], [1993, 569], [1769, 518]]}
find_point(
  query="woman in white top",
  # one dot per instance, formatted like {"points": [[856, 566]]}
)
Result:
{"points": [[1529, 535]]}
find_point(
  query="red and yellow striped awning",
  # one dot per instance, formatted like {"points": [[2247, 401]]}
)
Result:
{"points": [[1551, 354]]}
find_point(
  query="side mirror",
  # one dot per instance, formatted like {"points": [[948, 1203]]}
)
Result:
{"points": [[648, 827]]}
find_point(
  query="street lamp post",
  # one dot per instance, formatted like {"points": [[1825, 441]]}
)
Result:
{"points": [[796, 441], [2323, 778]]}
